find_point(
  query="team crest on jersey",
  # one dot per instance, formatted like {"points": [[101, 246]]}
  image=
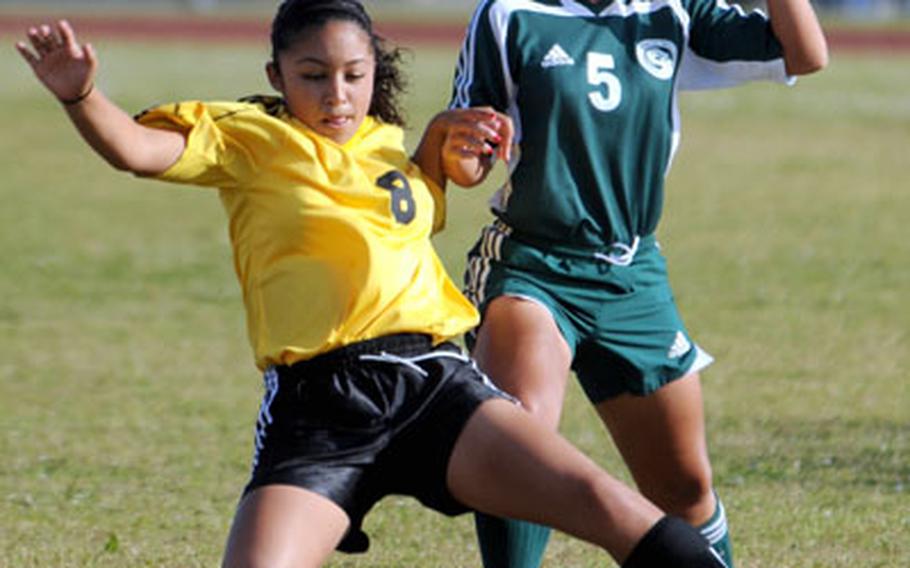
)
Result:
{"points": [[657, 56]]}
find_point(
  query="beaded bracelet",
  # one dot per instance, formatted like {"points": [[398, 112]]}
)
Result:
{"points": [[80, 98]]}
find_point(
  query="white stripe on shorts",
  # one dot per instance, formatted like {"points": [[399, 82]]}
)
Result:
{"points": [[478, 269], [413, 363], [270, 381]]}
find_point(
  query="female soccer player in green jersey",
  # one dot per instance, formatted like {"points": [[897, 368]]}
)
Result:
{"points": [[348, 307], [569, 276]]}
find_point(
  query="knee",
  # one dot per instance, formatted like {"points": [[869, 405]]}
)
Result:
{"points": [[689, 495], [267, 561], [543, 408], [271, 554]]}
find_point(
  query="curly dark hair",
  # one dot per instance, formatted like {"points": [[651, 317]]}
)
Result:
{"points": [[296, 15]]}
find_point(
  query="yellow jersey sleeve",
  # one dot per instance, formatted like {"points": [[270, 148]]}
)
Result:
{"points": [[225, 142]]}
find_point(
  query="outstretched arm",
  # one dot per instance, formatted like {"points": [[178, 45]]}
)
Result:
{"points": [[67, 69], [461, 144], [797, 28]]}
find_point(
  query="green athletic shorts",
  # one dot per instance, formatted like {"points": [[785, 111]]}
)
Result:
{"points": [[614, 307]]}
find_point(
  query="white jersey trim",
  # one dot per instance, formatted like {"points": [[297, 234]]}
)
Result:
{"points": [[699, 73]]}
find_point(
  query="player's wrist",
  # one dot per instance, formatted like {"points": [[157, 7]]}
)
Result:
{"points": [[78, 99]]}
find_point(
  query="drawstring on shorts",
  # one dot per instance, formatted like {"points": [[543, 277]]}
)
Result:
{"points": [[620, 254]]}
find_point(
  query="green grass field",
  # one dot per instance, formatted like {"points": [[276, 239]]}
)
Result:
{"points": [[127, 392]]}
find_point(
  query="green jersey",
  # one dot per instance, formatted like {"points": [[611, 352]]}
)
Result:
{"points": [[593, 94]]}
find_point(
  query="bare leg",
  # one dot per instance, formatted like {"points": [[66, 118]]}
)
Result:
{"points": [[662, 439], [508, 464], [523, 352], [281, 526]]}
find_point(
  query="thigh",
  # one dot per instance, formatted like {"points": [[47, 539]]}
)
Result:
{"points": [[525, 339], [662, 439], [523, 351], [280, 526]]}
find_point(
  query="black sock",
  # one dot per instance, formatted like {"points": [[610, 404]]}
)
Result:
{"points": [[673, 543]]}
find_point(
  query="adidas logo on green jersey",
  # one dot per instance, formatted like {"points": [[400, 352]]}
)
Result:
{"points": [[555, 57]]}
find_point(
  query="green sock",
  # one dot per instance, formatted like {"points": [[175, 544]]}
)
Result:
{"points": [[507, 543], [715, 531]]}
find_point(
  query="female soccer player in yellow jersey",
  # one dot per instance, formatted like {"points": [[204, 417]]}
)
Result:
{"points": [[348, 307]]}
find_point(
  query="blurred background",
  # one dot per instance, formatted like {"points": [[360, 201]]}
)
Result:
{"points": [[850, 9], [876, 25]]}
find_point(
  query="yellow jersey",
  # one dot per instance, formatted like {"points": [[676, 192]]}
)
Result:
{"points": [[331, 242]]}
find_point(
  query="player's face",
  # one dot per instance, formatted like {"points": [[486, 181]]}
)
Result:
{"points": [[326, 77]]}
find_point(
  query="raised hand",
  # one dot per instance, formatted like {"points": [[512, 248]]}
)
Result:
{"points": [[479, 132], [460, 145], [64, 66]]}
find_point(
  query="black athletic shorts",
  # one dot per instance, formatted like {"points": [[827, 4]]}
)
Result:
{"points": [[371, 419]]}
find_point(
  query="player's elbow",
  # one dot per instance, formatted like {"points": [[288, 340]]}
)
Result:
{"points": [[117, 162], [123, 163], [808, 62], [809, 66]]}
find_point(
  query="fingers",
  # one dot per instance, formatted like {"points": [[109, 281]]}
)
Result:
{"points": [[482, 131], [27, 53], [470, 141], [68, 39], [43, 39], [53, 35], [504, 132], [46, 40], [89, 51], [507, 135], [40, 41], [67, 35]]}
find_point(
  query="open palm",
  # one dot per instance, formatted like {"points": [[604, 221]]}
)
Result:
{"points": [[64, 66]]}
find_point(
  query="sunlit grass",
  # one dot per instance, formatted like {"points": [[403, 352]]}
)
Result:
{"points": [[127, 392]]}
